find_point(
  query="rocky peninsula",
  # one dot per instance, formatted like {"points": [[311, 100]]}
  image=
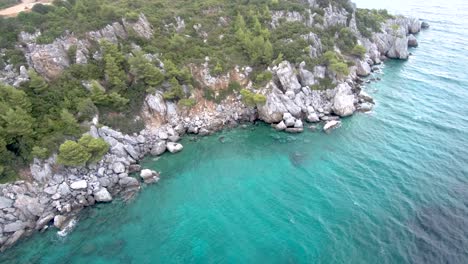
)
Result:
{"points": [[54, 194]]}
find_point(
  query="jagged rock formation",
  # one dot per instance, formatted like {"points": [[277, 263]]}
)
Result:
{"points": [[50, 60]]}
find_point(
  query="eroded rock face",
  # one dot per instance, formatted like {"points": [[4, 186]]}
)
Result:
{"points": [[50, 60], [287, 77], [335, 17], [393, 41]]}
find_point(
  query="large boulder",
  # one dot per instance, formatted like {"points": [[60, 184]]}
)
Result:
{"points": [[102, 195], [129, 182], [79, 185], [5, 202], [287, 77], [412, 41], [343, 102], [30, 206], [13, 227], [272, 111], [307, 78], [158, 148], [363, 69]]}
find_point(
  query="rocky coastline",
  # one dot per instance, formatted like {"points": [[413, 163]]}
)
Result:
{"points": [[55, 194]]}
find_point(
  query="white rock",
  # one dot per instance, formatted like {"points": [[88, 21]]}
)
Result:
{"points": [[59, 221], [313, 117], [330, 125], [174, 147], [281, 126], [158, 148], [118, 167], [298, 124], [102, 195], [78, 185]]}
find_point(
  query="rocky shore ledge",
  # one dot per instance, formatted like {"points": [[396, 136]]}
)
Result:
{"points": [[55, 194]]}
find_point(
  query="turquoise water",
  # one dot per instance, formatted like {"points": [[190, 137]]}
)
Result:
{"points": [[387, 187]]}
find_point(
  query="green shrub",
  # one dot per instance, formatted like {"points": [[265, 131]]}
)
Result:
{"points": [[86, 150], [187, 102], [359, 51], [252, 99], [73, 154], [41, 153], [97, 147]]}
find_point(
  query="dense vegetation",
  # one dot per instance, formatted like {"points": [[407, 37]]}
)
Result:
{"points": [[7, 3], [370, 20], [38, 117]]}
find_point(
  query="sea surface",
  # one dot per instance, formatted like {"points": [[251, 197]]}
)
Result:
{"points": [[387, 187]]}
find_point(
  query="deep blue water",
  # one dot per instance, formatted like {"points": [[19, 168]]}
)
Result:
{"points": [[387, 187]]}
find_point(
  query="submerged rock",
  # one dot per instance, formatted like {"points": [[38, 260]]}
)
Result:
{"points": [[330, 125]]}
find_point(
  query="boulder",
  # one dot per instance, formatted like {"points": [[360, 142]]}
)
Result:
{"points": [[149, 176], [366, 107], [281, 126], [163, 135], [102, 195], [343, 102], [298, 124], [5, 202], [424, 25], [307, 78], [287, 77], [366, 97], [60, 221], [174, 147], [63, 189], [30, 206], [412, 41], [313, 118], [158, 148], [129, 182], [13, 227], [330, 125], [363, 69], [43, 221], [118, 167], [79, 185], [272, 111]]}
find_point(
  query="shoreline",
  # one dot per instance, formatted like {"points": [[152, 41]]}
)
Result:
{"points": [[57, 194]]}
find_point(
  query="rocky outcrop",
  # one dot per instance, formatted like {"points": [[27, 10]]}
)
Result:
{"points": [[335, 16], [393, 41], [50, 60], [412, 41]]}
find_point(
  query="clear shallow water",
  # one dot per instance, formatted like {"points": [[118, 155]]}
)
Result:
{"points": [[387, 187]]}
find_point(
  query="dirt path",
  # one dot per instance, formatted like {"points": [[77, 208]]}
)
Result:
{"points": [[25, 6]]}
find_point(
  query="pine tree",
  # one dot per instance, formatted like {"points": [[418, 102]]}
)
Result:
{"points": [[73, 154]]}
